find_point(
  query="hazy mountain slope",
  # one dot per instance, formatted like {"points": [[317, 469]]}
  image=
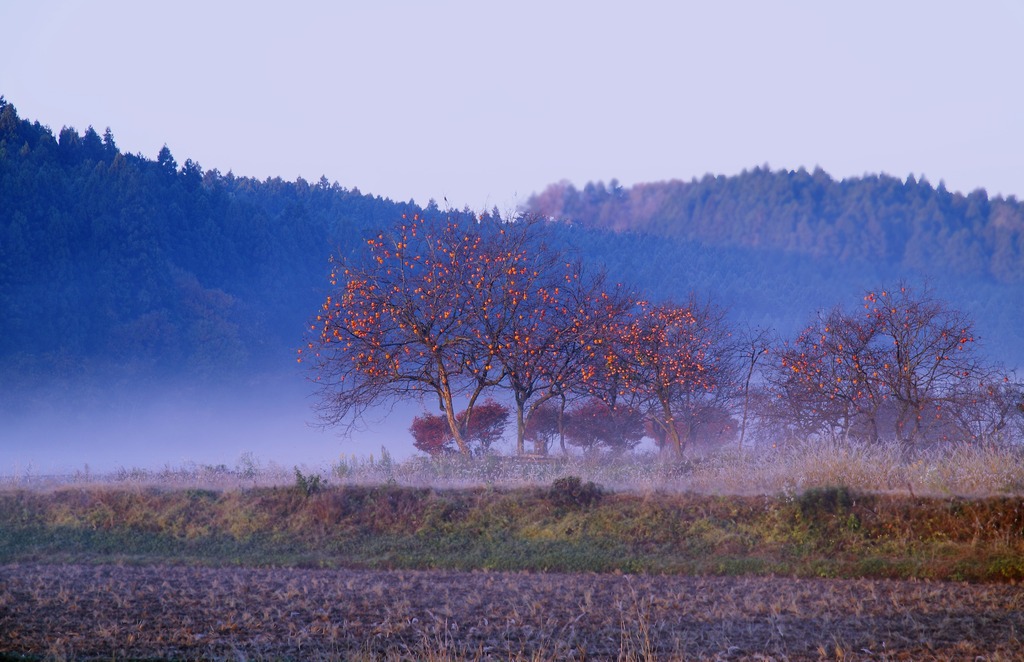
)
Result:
{"points": [[113, 262], [782, 290], [777, 246], [115, 266], [905, 225]]}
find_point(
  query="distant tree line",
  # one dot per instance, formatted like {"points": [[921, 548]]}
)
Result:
{"points": [[114, 265], [459, 309], [110, 259], [907, 224]]}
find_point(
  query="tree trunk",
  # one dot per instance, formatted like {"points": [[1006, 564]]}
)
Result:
{"points": [[754, 356], [561, 427], [520, 429], [670, 425], [445, 393]]}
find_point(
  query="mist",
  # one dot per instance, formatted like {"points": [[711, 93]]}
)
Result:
{"points": [[161, 426]]}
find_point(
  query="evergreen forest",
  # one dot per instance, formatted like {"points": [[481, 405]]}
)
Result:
{"points": [[116, 267]]}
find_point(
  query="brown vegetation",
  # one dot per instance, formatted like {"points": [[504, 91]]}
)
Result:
{"points": [[83, 612], [571, 526]]}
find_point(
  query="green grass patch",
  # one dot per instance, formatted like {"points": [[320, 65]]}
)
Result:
{"points": [[571, 526]]}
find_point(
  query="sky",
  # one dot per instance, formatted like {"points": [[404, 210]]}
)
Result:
{"points": [[482, 104]]}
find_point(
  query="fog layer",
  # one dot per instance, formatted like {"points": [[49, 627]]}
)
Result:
{"points": [[166, 426]]}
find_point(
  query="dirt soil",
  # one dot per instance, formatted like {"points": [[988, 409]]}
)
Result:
{"points": [[117, 612]]}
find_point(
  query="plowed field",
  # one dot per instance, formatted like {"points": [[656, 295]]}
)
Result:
{"points": [[117, 612]]}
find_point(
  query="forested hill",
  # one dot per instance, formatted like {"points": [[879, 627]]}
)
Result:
{"points": [[908, 226], [116, 266], [112, 261]]}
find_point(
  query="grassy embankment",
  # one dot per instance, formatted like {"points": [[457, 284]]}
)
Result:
{"points": [[570, 526]]}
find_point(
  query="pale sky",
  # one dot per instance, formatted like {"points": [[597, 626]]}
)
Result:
{"points": [[485, 103]]}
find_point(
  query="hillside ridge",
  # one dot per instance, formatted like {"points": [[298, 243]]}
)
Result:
{"points": [[907, 224], [116, 266]]}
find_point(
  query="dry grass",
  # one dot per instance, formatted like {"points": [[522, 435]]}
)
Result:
{"points": [[954, 470], [114, 612]]}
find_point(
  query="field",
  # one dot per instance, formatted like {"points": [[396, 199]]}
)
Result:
{"points": [[118, 612], [417, 560]]}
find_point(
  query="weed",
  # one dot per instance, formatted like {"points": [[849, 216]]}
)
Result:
{"points": [[308, 484], [248, 467]]}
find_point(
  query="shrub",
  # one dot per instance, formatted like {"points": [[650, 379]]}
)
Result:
{"points": [[829, 500], [571, 492], [308, 485]]}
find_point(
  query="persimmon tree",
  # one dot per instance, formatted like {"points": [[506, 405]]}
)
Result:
{"points": [[514, 325], [666, 362], [454, 309], [398, 323], [710, 426], [546, 344], [905, 368], [930, 366], [820, 386]]}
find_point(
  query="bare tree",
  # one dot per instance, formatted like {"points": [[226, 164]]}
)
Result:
{"points": [[753, 347]]}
